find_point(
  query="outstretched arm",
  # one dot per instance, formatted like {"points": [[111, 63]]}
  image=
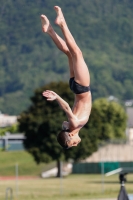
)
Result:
{"points": [[51, 96]]}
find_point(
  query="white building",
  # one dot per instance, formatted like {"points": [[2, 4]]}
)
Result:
{"points": [[129, 130], [7, 120], [12, 142]]}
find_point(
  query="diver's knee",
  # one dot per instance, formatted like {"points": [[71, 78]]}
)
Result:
{"points": [[77, 52]]}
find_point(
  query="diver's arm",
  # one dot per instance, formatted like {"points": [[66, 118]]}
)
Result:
{"points": [[51, 96]]}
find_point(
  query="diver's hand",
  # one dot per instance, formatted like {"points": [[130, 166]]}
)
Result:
{"points": [[50, 95]]}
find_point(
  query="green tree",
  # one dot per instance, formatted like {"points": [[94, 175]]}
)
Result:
{"points": [[12, 129], [42, 122], [107, 120], [106, 40]]}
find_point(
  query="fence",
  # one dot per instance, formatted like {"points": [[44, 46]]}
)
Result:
{"points": [[96, 168]]}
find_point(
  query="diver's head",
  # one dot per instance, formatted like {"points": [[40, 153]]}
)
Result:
{"points": [[67, 139]]}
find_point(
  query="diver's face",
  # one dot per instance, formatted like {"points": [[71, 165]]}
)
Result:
{"points": [[74, 140]]}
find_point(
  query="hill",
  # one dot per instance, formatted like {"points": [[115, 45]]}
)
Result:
{"points": [[29, 59]]}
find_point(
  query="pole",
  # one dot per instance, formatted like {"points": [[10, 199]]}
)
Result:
{"points": [[16, 171], [61, 176], [9, 190], [102, 172]]}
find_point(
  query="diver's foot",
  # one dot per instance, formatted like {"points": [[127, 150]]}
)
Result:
{"points": [[60, 18], [45, 24]]}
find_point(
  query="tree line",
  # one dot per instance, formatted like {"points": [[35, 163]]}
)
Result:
{"points": [[29, 59]]}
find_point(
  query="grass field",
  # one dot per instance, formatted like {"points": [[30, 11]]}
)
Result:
{"points": [[25, 161], [70, 188], [73, 187]]}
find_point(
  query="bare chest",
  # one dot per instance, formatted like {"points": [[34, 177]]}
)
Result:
{"points": [[81, 109]]}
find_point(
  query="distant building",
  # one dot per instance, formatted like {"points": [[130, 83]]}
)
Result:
{"points": [[12, 142], [129, 111], [112, 152], [7, 120], [112, 98], [129, 103], [129, 130]]}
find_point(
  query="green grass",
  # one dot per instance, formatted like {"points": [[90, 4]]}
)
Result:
{"points": [[73, 187], [25, 161]]}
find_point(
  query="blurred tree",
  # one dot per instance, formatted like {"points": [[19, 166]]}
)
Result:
{"points": [[108, 120], [106, 42], [42, 122], [11, 129]]}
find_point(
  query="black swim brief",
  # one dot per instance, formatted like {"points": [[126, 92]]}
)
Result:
{"points": [[77, 88]]}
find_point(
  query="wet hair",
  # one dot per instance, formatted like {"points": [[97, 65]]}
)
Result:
{"points": [[63, 137]]}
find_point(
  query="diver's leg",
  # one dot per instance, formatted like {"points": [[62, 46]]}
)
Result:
{"points": [[81, 72], [59, 42]]}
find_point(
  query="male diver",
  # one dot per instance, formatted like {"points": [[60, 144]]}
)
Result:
{"points": [[79, 82]]}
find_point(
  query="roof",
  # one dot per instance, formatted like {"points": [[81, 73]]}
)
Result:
{"points": [[13, 136]]}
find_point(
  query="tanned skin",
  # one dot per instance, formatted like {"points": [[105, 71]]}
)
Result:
{"points": [[79, 114]]}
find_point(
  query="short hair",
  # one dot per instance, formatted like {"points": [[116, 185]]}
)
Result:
{"points": [[62, 138]]}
